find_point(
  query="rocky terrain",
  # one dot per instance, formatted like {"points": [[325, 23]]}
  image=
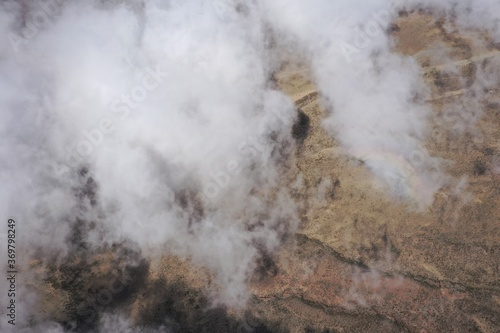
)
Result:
{"points": [[362, 261]]}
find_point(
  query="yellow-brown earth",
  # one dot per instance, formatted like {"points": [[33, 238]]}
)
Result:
{"points": [[362, 260]]}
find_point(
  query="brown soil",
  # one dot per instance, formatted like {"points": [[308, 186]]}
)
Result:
{"points": [[361, 261]]}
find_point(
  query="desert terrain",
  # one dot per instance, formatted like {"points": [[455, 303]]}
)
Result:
{"points": [[362, 260]]}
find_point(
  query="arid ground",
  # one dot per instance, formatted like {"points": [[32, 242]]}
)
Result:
{"points": [[362, 261]]}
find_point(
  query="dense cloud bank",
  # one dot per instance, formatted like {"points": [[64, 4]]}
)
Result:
{"points": [[155, 123]]}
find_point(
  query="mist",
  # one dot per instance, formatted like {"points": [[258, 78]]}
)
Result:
{"points": [[154, 124]]}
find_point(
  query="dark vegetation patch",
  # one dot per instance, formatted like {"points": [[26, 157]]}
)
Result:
{"points": [[185, 310], [300, 129], [114, 278], [479, 167]]}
